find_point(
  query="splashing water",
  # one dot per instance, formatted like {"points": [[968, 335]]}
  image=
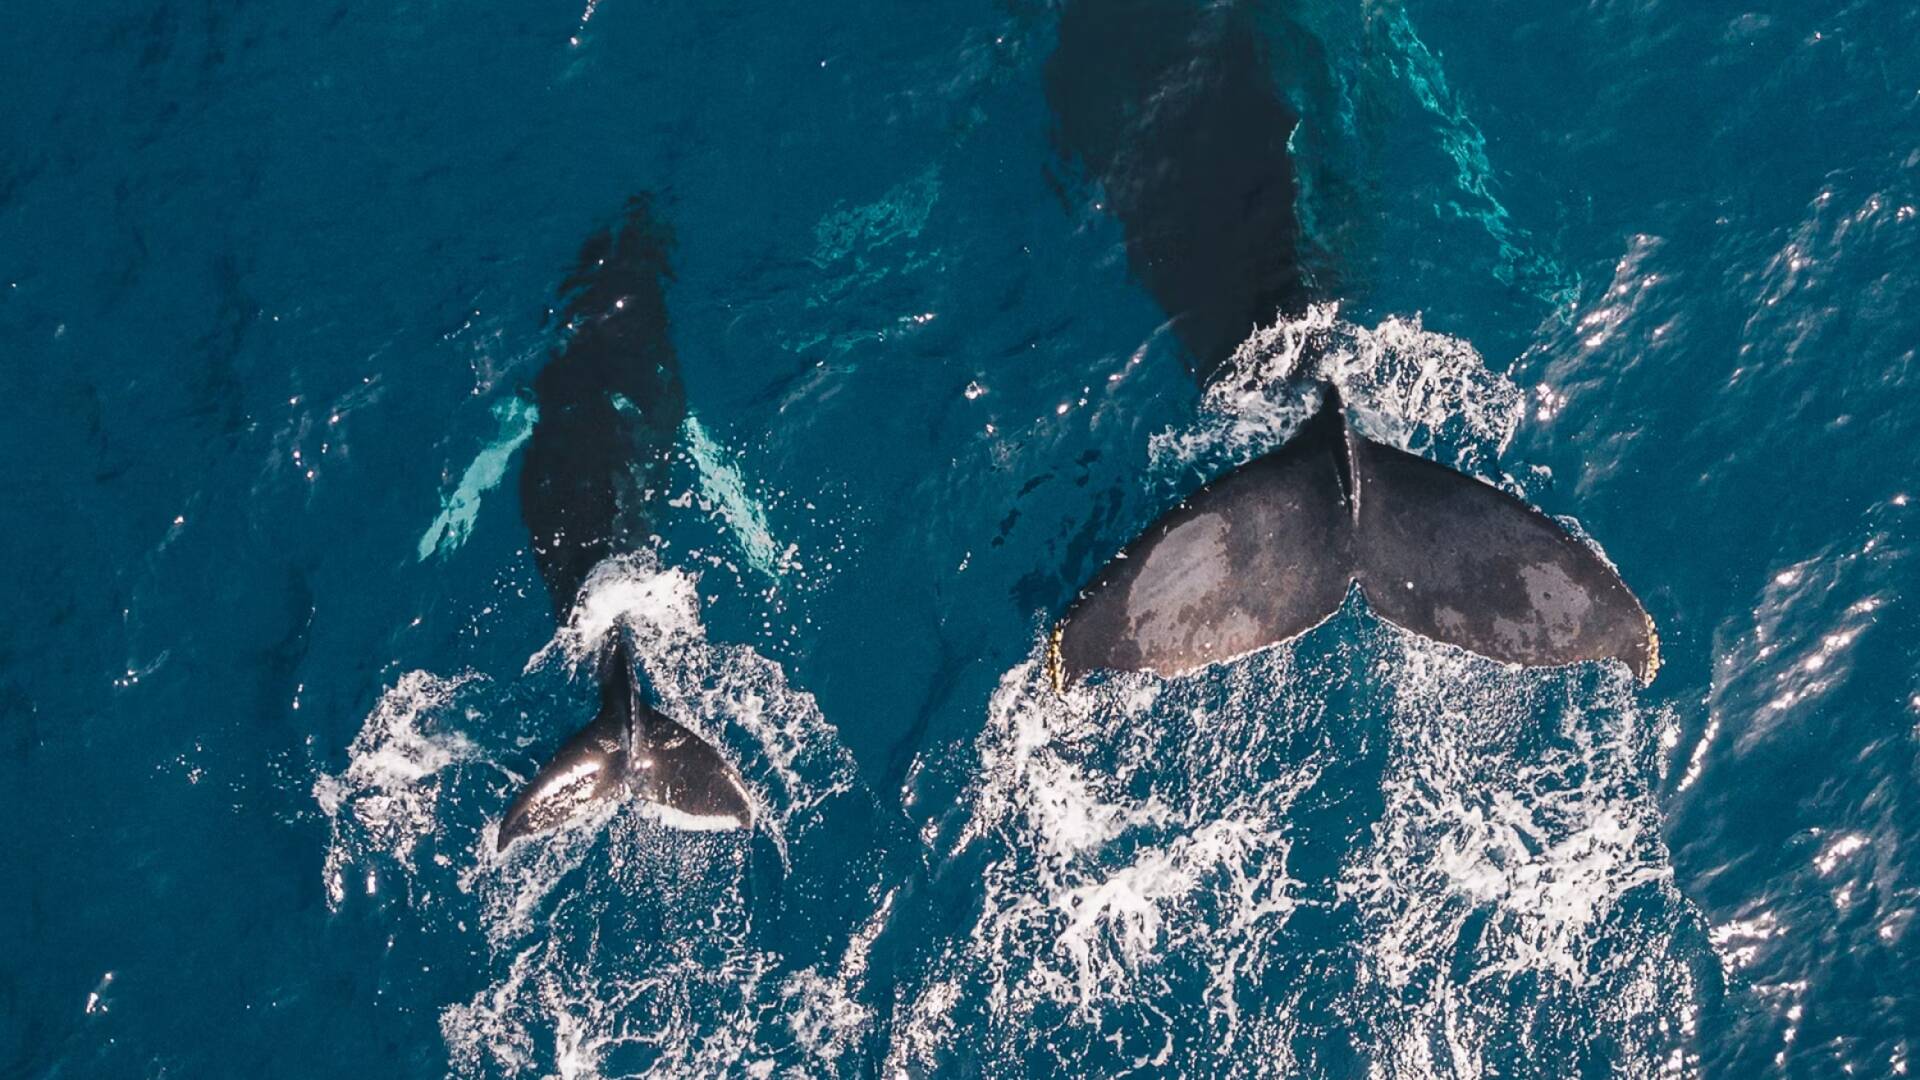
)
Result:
{"points": [[1516, 890], [1366, 855], [1405, 385], [1134, 858], [385, 802]]}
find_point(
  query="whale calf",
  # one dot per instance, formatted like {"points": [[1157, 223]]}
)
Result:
{"points": [[610, 405], [1169, 106]]}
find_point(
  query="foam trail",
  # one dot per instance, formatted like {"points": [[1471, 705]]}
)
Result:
{"points": [[385, 803], [1367, 854], [459, 510], [1120, 900], [1520, 821]]}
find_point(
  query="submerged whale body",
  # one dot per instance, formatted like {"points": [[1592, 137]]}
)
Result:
{"points": [[610, 405], [1170, 107]]}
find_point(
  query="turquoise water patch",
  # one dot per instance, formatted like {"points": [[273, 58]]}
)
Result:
{"points": [[899, 214], [1521, 263], [461, 508]]}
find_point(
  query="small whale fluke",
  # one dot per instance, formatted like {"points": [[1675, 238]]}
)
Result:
{"points": [[630, 751], [1268, 552]]}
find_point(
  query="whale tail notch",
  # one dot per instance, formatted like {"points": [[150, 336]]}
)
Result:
{"points": [[630, 750], [1270, 550]]}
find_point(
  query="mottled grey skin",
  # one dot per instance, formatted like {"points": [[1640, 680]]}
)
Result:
{"points": [[610, 406], [1268, 551]]}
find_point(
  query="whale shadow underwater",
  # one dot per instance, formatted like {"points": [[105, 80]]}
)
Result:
{"points": [[1171, 109], [610, 406]]}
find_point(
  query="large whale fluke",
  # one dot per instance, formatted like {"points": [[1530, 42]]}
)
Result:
{"points": [[1261, 555], [1268, 551], [630, 750]]}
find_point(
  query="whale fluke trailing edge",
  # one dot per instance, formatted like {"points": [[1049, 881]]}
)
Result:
{"points": [[1270, 550], [611, 404]]}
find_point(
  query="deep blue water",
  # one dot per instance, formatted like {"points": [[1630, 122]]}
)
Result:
{"points": [[275, 655]]}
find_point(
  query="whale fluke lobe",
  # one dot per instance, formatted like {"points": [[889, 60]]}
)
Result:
{"points": [[630, 750], [685, 778], [1268, 551], [589, 767], [1457, 560], [1261, 555]]}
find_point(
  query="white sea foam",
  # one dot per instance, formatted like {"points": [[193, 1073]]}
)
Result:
{"points": [[1520, 825], [1403, 384], [1113, 887], [823, 1004], [1141, 845], [385, 802]]}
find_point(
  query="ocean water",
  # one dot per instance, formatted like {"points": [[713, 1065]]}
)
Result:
{"points": [[273, 277]]}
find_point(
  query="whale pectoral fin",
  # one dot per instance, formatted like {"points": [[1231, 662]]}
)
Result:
{"points": [[1257, 557], [630, 749], [1460, 561]]}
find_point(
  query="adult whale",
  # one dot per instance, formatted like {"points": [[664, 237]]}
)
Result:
{"points": [[610, 405], [1170, 107]]}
